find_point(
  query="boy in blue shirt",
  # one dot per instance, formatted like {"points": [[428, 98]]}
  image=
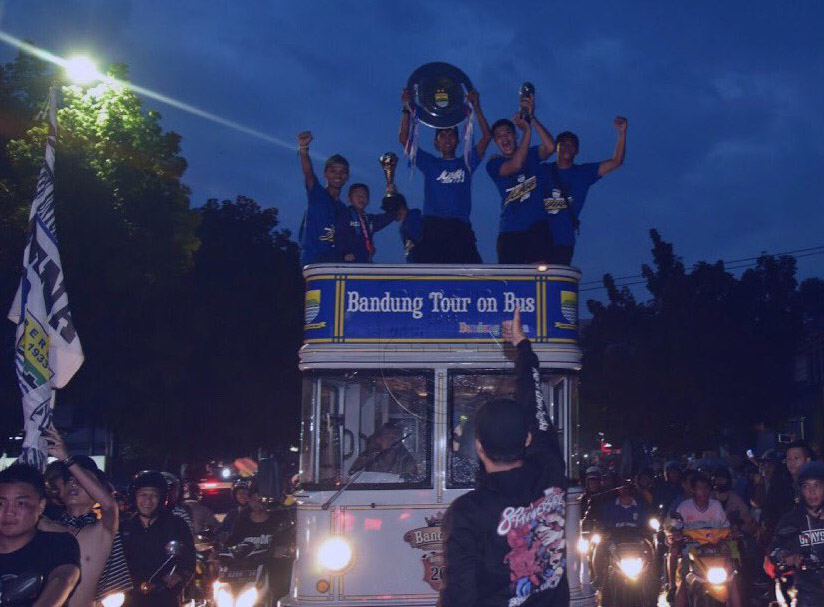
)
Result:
{"points": [[317, 231], [524, 235], [356, 230], [447, 200], [566, 184]]}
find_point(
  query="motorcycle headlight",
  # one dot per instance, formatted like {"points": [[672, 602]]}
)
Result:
{"points": [[583, 545], [223, 596], [716, 575], [631, 566], [335, 554], [655, 524], [247, 598], [596, 539], [113, 600]]}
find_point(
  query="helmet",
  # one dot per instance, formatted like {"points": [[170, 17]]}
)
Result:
{"points": [[593, 472], [149, 478], [772, 455], [238, 486], [811, 470]]}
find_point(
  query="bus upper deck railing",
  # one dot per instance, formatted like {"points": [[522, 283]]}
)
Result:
{"points": [[408, 312]]}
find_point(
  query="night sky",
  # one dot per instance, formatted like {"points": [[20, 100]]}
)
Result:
{"points": [[724, 101]]}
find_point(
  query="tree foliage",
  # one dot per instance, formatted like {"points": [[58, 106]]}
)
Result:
{"points": [[709, 350], [189, 317]]}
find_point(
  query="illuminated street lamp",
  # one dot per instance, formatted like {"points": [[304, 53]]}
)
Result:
{"points": [[82, 70]]}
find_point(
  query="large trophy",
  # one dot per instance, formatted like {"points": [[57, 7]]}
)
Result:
{"points": [[392, 199], [438, 94]]}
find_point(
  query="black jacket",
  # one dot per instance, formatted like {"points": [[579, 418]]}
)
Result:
{"points": [[145, 551], [799, 533], [505, 543]]}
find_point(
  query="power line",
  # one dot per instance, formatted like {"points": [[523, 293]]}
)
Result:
{"points": [[819, 249], [808, 252]]}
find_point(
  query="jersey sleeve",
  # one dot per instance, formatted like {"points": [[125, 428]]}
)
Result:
{"points": [[590, 172], [64, 551], [544, 446], [493, 167], [380, 220], [315, 196], [424, 161]]}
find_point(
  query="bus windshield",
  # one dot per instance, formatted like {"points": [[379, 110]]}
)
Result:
{"points": [[468, 391], [375, 424]]}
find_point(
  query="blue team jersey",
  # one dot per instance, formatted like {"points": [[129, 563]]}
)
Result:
{"points": [[317, 231], [349, 236], [521, 203], [576, 181], [447, 185], [411, 230]]}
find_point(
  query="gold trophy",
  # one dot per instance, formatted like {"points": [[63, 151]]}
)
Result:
{"points": [[391, 199]]}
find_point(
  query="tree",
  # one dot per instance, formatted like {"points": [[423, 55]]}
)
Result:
{"points": [[707, 351]]}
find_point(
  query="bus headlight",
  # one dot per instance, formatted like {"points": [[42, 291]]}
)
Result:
{"points": [[335, 554], [716, 575], [631, 566]]}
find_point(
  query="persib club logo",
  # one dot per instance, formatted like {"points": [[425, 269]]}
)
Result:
{"points": [[312, 305], [569, 306]]}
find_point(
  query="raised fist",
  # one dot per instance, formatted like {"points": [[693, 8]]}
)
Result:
{"points": [[304, 138], [620, 124]]}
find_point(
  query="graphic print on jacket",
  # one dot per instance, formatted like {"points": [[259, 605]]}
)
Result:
{"points": [[536, 535]]}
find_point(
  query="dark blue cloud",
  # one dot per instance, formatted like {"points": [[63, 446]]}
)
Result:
{"points": [[724, 102]]}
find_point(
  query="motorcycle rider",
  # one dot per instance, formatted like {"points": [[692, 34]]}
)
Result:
{"points": [[26, 550], [773, 493], [240, 494], [202, 516], [173, 500], [145, 538], [800, 536], [699, 512], [671, 490], [734, 506]]}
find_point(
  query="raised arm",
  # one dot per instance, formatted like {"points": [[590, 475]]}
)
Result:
{"points": [[406, 111], [514, 164], [607, 166], [86, 479], [486, 135], [528, 394], [304, 139], [547, 148]]}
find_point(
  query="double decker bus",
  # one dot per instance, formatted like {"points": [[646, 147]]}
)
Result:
{"points": [[396, 361]]}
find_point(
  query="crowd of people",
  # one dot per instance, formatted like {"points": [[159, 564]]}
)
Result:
{"points": [[773, 506], [540, 200], [88, 541]]}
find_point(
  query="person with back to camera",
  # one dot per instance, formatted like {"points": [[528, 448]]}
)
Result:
{"points": [[566, 185], [504, 541]]}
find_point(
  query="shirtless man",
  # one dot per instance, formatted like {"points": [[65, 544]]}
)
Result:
{"points": [[80, 492]]}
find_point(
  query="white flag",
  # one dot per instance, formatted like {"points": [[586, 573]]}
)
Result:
{"points": [[47, 350]]}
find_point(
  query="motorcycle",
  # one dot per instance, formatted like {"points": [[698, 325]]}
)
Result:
{"points": [[243, 577], [711, 570], [628, 576], [21, 590], [786, 594], [205, 571]]}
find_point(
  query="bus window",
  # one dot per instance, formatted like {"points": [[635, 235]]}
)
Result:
{"points": [[468, 391], [374, 427]]}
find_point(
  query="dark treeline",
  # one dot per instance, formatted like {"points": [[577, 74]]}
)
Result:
{"points": [[708, 351], [189, 317]]}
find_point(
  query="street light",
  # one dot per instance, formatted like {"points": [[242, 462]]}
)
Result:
{"points": [[82, 70]]}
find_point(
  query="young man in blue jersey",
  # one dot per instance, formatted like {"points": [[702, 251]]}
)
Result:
{"points": [[566, 184], [447, 200], [523, 235], [355, 233], [317, 232]]}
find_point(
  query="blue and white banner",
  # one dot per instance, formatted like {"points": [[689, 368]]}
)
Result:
{"points": [[47, 350], [416, 308]]}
